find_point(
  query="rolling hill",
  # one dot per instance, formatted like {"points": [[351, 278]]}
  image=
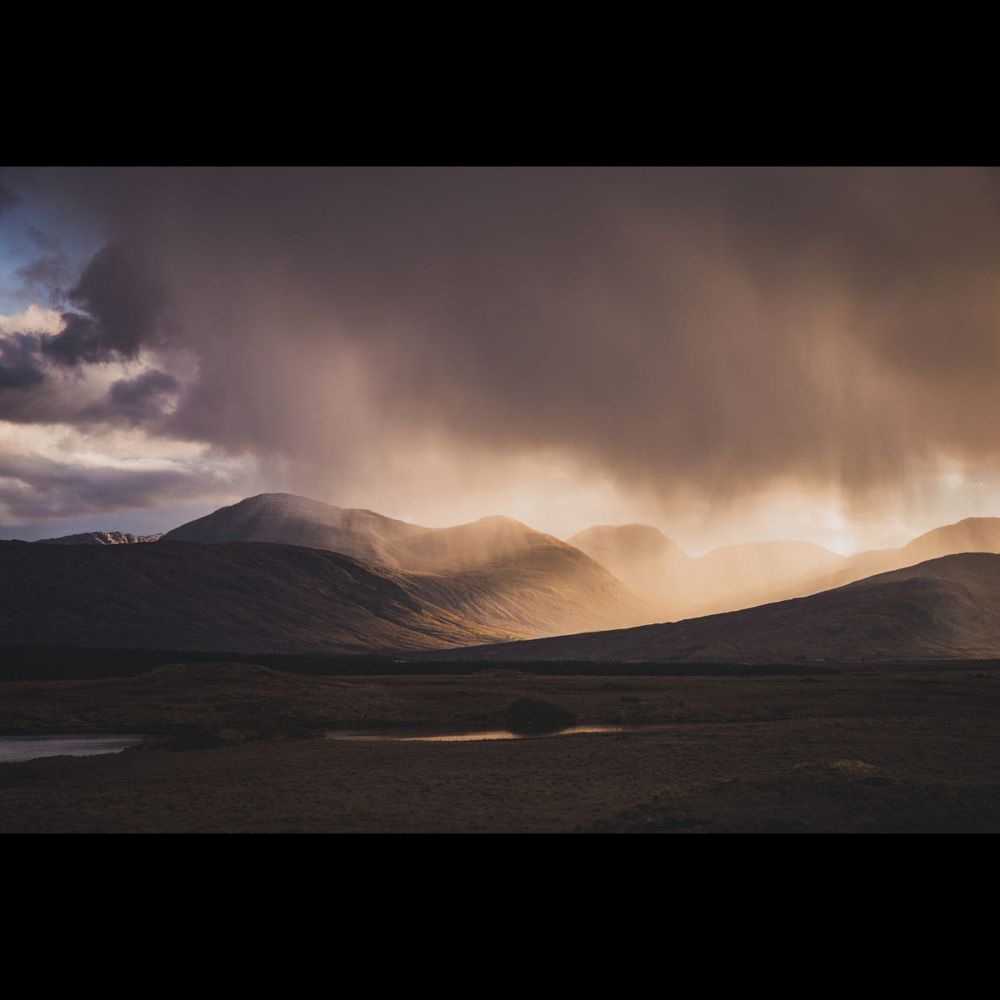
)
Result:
{"points": [[293, 520], [100, 538], [974, 534], [947, 608], [641, 556], [285, 573], [725, 579], [495, 573], [744, 576], [264, 575], [252, 597]]}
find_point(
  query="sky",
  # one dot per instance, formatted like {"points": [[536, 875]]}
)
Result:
{"points": [[729, 354]]}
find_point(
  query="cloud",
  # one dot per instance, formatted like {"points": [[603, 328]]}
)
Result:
{"points": [[34, 319], [33, 487], [7, 199], [36, 389], [47, 274], [143, 399], [120, 307], [18, 362], [703, 334]]}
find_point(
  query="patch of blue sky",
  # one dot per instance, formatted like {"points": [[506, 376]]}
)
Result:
{"points": [[25, 229]]}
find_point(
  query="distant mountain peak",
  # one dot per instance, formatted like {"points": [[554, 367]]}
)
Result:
{"points": [[971, 533], [944, 608], [289, 519], [631, 540], [289, 502]]}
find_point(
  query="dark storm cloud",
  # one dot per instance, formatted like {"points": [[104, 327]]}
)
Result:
{"points": [[19, 363], [32, 392], [38, 488], [19, 377], [713, 328], [31, 395], [120, 307], [140, 400], [7, 199]]}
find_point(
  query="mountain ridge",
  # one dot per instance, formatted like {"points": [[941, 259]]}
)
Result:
{"points": [[733, 577], [244, 596], [100, 538], [944, 608], [494, 573]]}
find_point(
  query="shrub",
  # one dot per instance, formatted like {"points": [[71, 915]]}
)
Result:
{"points": [[190, 737], [528, 716]]}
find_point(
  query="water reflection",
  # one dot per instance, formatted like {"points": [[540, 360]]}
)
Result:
{"points": [[14, 749], [408, 735]]}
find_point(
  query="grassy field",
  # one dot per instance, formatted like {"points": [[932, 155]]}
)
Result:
{"points": [[860, 750]]}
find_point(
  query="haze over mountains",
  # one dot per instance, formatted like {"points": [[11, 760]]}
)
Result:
{"points": [[725, 579], [495, 573], [286, 573], [947, 608], [413, 587], [742, 576]]}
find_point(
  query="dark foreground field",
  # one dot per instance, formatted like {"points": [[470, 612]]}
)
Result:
{"points": [[902, 749]]}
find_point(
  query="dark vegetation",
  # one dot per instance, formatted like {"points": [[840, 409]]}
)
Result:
{"points": [[192, 737], [42, 663], [529, 715], [231, 596], [51, 663], [860, 749]]}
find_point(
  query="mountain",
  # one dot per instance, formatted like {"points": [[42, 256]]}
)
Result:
{"points": [[947, 608], [293, 520], [100, 538], [743, 576], [487, 542], [641, 556], [974, 534], [245, 597], [495, 573], [501, 574], [725, 579]]}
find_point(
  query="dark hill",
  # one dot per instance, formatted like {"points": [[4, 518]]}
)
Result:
{"points": [[293, 520], [495, 574], [947, 608], [229, 596]]}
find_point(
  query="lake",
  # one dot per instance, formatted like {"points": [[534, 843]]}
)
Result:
{"points": [[14, 749], [401, 735]]}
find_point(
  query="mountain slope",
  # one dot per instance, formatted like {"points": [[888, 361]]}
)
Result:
{"points": [[287, 519], [486, 542], [641, 556], [499, 573], [974, 534], [495, 573], [725, 579], [743, 576], [252, 597], [942, 609]]}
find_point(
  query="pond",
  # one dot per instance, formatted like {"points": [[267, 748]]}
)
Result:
{"points": [[402, 735], [14, 749]]}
